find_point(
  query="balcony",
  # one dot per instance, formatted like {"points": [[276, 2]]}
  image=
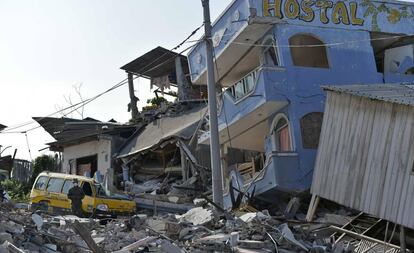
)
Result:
{"points": [[245, 108]]}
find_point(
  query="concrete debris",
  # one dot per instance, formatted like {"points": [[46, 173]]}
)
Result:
{"points": [[201, 229], [198, 216], [288, 235], [38, 220]]}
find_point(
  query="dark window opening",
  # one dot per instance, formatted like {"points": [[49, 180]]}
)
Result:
{"points": [[87, 166], [410, 71], [87, 189], [391, 61], [311, 125], [270, 55], [308, 51]]}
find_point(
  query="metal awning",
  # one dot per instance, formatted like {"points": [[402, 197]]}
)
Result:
{"points": [[156, 63]]}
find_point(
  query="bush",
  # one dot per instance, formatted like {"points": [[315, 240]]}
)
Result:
{"points": [[16, 190]]}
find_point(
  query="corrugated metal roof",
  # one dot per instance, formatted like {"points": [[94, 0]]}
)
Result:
{"points": [[69, 131], [156, 63], [394, 93]]}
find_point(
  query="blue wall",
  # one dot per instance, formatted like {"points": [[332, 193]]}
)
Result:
{"points": [[352, 62]]}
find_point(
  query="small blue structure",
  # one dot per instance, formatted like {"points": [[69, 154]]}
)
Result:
{"points": [[273, 56]]}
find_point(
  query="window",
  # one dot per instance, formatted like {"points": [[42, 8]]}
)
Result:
{"points": [[308, 51], [270, 56], [281, 133], [311, 125], [67, 186], [244, 86], [87, 189], [100, 191], [41, 183], [55, 185]]}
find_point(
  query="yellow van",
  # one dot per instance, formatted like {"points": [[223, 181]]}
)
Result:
{"points": [[49, 193]]}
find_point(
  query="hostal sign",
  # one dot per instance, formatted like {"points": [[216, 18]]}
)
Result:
{"points": [[338, 12]]}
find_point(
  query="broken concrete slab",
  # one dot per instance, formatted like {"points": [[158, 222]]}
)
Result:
{"points": [[136, 245], [288, 235], [198, 216], [38, 220], [168, 247], [5, 237]]}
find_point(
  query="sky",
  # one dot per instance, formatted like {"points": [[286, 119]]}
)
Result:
{"points": [[48, 47]]}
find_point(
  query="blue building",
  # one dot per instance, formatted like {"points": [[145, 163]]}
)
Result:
{"points": [[273, 56]]}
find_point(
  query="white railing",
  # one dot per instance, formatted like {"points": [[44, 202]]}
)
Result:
{"points": [[244, 86]]}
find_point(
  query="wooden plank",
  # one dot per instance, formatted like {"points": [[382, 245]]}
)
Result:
{"points": [[402, 155], [373, 149], [382, 158], [359, 158], [342, 113], [86, 236], [318, 168], [354, 125], [376, 149], [391, 180], [323, 160]]}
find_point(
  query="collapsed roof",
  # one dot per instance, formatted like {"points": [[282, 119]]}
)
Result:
{"points": [[180, 126], [67, 131]]}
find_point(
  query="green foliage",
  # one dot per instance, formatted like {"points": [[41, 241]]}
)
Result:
{"points": [[42, 163], [16, 190], [157, 101]]}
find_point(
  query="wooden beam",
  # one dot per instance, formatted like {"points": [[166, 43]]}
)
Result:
{"points": [[86, 236], [312, 207]]}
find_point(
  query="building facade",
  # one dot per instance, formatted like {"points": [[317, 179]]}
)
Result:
{"points": [[272, 57]]}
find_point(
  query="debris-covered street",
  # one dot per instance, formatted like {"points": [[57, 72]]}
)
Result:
{"points": [[202, 229], [180, 126]]}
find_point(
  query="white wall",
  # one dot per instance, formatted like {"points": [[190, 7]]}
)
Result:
{"points": [[101, 148]]}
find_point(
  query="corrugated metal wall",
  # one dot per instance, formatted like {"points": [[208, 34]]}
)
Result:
{"points": [[365, 157]]}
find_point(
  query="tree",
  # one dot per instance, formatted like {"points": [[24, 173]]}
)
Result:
{"points": [[157, 101], [43, 163]]}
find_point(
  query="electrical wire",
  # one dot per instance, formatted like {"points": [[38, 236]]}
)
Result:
{"points": [[311, 45], [121, 83]]}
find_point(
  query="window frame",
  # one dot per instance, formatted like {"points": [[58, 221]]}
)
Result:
{"points": [[64, 183], [272, 45], [273, 133], [90, 185], [55, 179], [45, 183], [302, 129]]}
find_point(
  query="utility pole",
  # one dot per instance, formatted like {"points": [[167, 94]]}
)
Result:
{"points": [[217, 176], [132, 106]]}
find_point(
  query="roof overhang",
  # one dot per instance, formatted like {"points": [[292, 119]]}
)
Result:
{"points": [[156, 63]]}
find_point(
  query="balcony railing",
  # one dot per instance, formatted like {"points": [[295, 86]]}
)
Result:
{"points": [[244, 86]]}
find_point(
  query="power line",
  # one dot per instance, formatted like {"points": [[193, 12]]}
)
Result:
{"points": [[312, 45], [87, 101]]}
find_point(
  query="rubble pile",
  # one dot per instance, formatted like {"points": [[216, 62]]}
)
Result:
{"points": [[201, 229]]}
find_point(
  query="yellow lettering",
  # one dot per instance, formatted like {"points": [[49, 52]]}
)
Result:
{"points": [[272, 9], [340, 13], [354, 19], [324, 5], [306, 7], [292, 9]]}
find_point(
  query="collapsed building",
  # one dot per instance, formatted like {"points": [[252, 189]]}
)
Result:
{"points": [[272, 57], [87, 146]]}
